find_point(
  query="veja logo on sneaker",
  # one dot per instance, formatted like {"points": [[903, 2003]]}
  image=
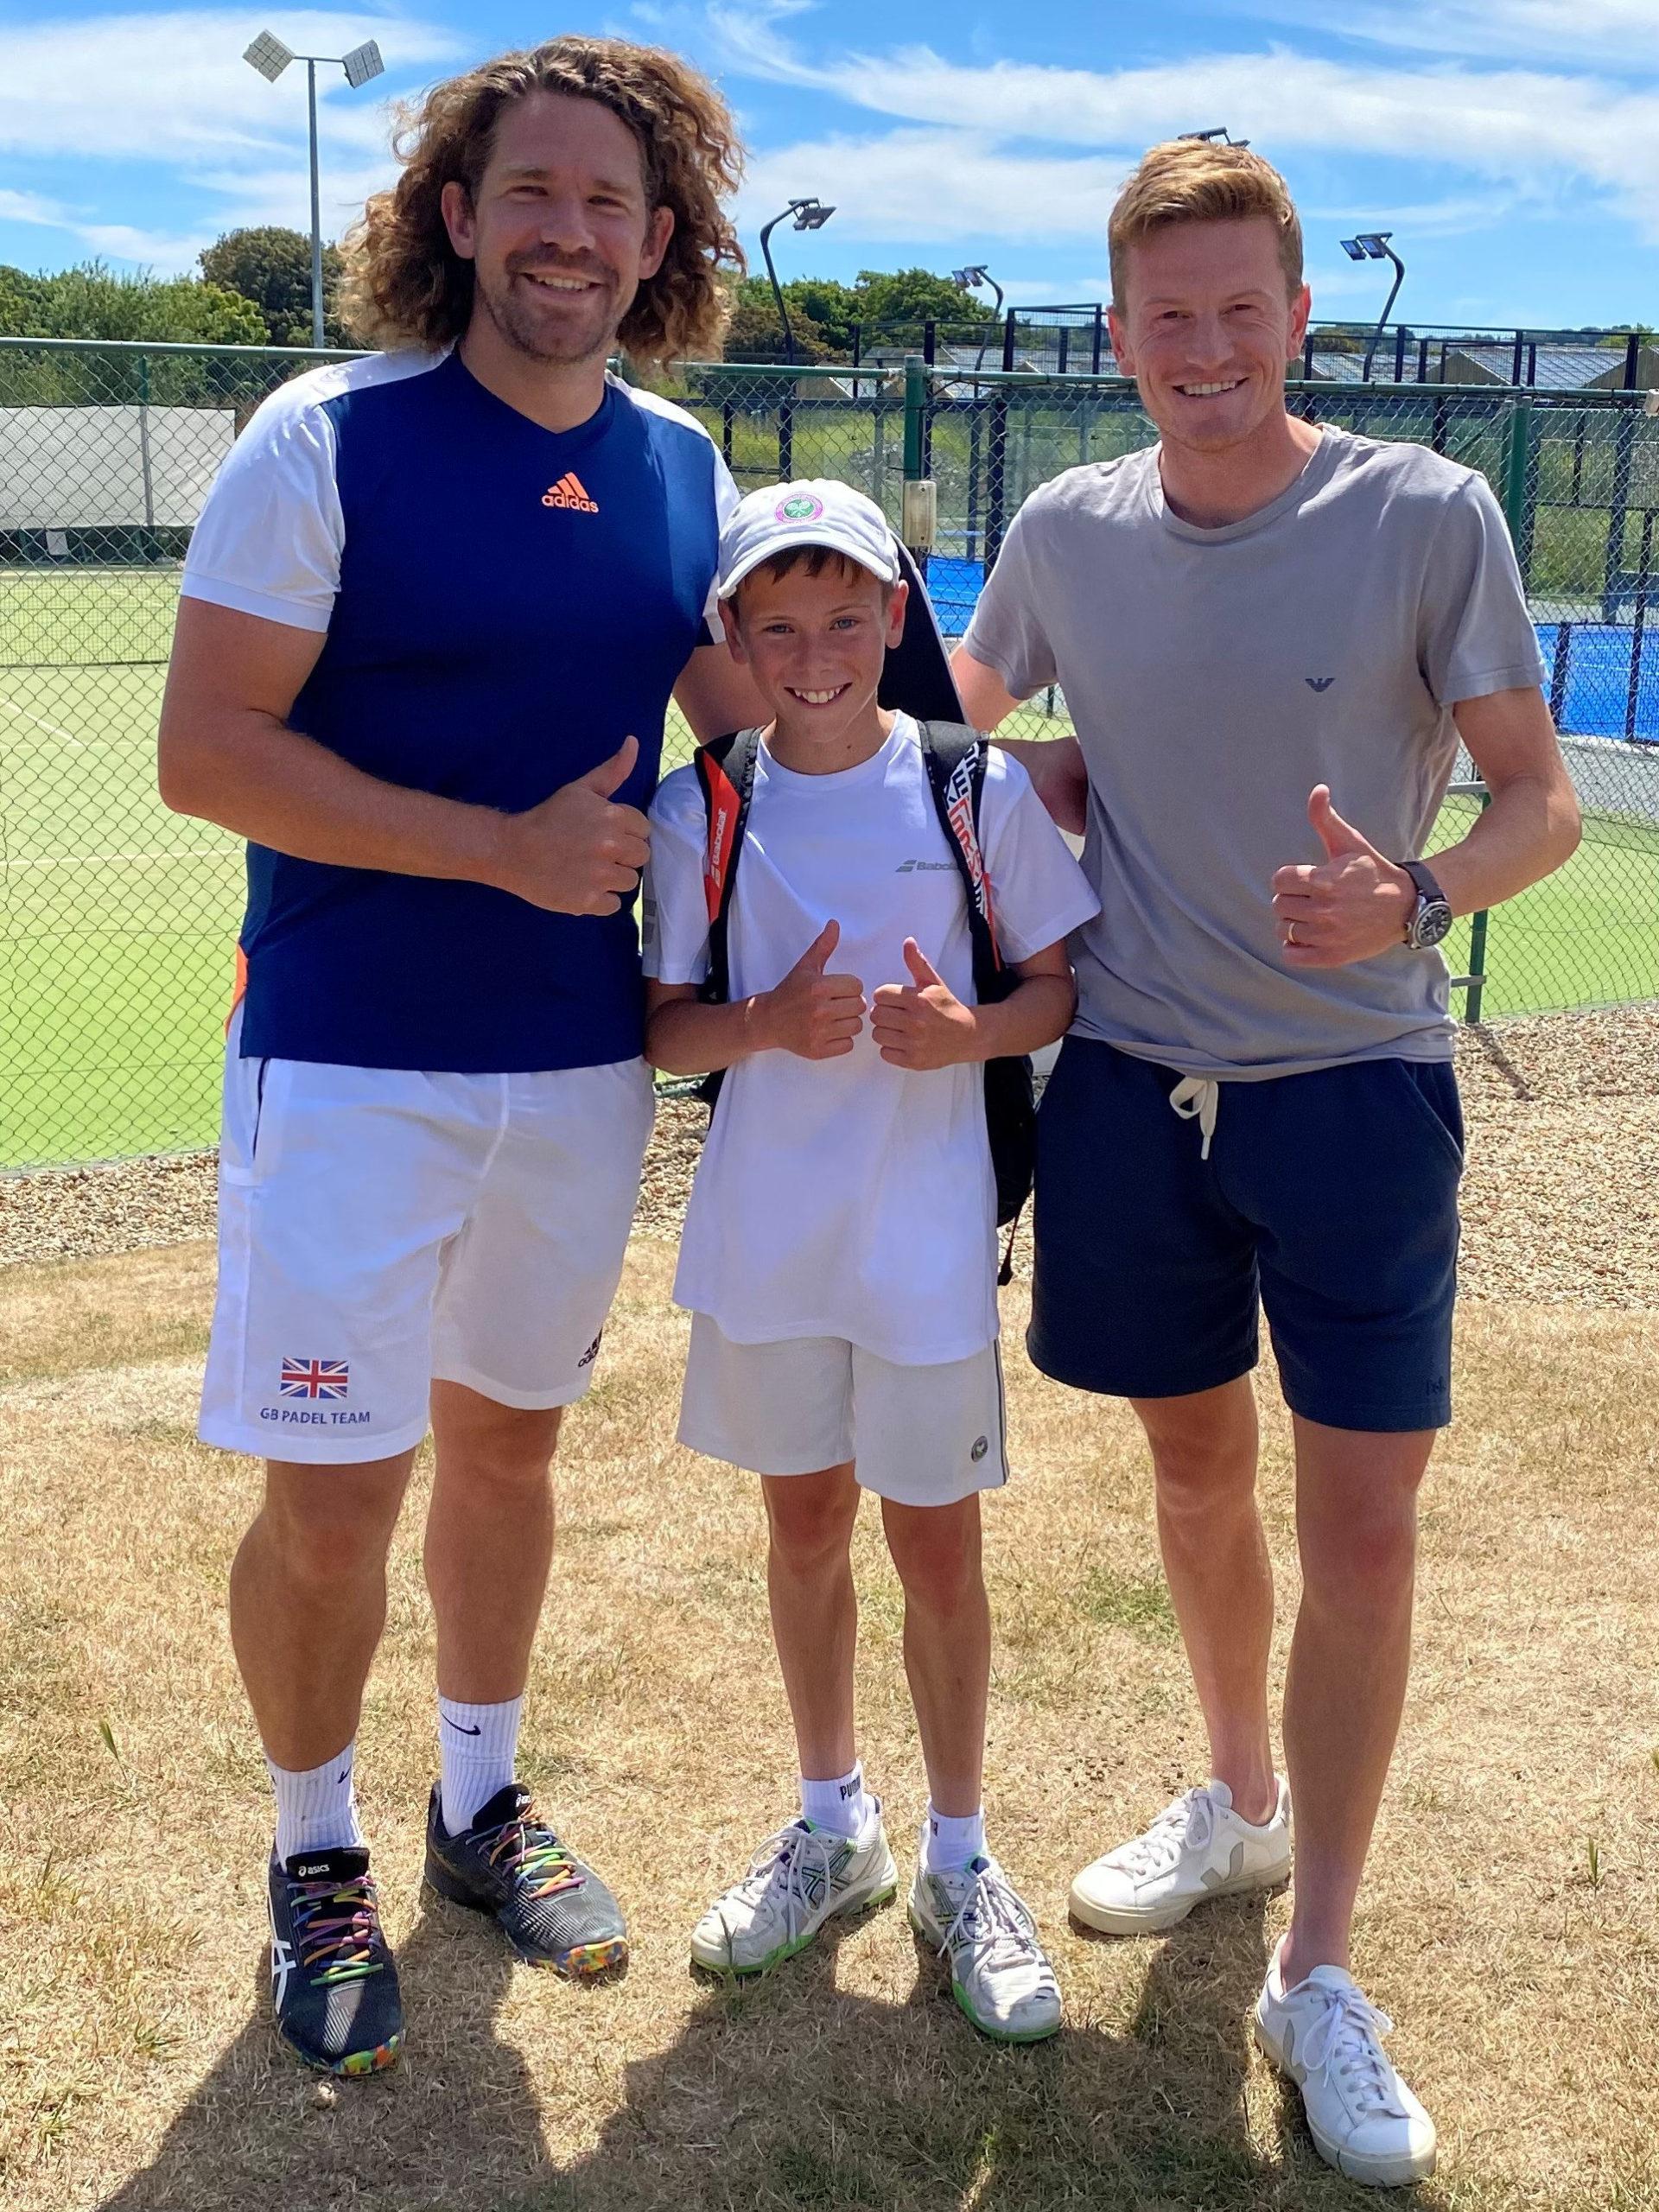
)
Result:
{"points": [[571, 492]]}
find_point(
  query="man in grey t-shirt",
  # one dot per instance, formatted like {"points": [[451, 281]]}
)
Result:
{"points": [[1270, 640]]}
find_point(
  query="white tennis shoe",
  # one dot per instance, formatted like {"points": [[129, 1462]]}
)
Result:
{"points": [[1000, 1972], [796, 1880], [1327, 2037], [1198, 1847]]}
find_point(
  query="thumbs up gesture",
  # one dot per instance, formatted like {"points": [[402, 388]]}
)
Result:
{"points": [[578, 852], [811, 1013], [1352, 906], [922, 1024]]}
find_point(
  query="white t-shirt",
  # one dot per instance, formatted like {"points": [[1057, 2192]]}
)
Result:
{"points": [[848, 1198]]}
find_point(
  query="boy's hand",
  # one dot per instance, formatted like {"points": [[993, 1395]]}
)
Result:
{"points": [[812, 1014], [923, 1024]]}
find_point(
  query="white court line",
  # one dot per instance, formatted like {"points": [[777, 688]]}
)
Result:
{"points": [[130, 860], [52, 729]]}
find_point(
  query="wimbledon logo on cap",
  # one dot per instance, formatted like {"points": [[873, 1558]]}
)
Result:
{"points": [[802, 508]]}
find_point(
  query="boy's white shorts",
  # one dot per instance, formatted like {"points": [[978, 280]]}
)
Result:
{"points": [[379, 1229], [918, 1435]]}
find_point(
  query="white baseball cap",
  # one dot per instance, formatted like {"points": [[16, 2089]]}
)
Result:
{"points": [[818, 511]]}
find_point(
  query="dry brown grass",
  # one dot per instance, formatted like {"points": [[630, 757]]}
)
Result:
{"points": [[136, 2068]]}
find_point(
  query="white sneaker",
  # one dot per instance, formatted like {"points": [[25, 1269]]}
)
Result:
{"points": [[1325, 2035], [999, 1969], [1198, 1847], [797, 1879]]}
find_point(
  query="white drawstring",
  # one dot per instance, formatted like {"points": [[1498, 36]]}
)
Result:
{"points": [[1196, 1099]]}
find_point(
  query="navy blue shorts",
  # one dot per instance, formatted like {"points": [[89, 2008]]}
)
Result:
{"points": [[1331, 1199]]}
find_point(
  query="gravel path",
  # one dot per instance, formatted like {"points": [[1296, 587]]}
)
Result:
{"points": [[1561, 1202]]}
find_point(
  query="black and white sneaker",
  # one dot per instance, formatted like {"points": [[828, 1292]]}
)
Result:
{"points": [[333, 1984], [556, 1911]]}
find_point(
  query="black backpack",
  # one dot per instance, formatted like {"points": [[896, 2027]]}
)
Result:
{"points": [[954, 759]]}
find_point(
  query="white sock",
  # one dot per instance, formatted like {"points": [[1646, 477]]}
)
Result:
{"points": [[844, 1806], [478, 1746], [949, 1843], [316, 1806]]}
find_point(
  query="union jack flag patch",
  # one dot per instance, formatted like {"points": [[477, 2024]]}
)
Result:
{"points": [[316, 1378]]}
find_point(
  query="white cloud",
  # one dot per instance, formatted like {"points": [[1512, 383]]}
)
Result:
{"points": [[1526, 129], [171, 89], [936, 185], [123, 86], [1624, 32]]}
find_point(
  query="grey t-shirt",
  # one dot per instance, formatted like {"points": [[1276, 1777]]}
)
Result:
{"points": [[1214, 677]]}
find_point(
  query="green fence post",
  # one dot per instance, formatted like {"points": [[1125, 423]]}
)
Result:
{"points": [[1477, 949], [915, 416]]}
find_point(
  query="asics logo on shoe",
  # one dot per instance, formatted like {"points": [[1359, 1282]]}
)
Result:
{"points": [[282, 1965], [310, 1873], [570, 492]]}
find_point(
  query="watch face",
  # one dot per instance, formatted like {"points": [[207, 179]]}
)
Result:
{"points": [[1434, 923]]}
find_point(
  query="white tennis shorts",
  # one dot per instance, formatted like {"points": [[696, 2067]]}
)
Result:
{"points": [[918, 1435], [379, 1229]]}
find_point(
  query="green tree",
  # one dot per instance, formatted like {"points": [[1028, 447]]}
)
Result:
{"points": [[833, 306], [272, 266], [93, 301], [916, 296], [755, 333]]}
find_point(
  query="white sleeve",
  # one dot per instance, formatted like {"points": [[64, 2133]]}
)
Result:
{"points": [[673, 911], [1039, 894], [727, 496], [271, 531]]}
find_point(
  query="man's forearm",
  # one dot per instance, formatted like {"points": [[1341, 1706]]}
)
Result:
{"points": [[1529, 829], [1035, 1014], [688, 1037], [295, 796]]}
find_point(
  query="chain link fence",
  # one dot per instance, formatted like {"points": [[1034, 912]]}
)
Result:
{"points": [[118, 919]]}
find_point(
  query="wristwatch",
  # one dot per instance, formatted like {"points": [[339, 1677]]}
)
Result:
{"points": [[1431, 918]]}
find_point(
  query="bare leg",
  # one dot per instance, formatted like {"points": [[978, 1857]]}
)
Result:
{"points": [[489, 1541], [815, 1611], [936, 1549], [1356, 1526], [1203, 1453], [308, 1601]]}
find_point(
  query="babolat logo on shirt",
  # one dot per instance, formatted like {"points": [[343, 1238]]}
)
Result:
{"points": [[570, 492]]}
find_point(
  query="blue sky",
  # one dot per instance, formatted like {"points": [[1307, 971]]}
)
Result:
{"points": [[1511, 145]]}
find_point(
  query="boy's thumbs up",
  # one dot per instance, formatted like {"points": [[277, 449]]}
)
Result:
{"points": [[921, 971], [817, 953], [1337, 835]]}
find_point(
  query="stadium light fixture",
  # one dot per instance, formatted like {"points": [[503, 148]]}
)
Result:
{"points": [[978, 273], [1373, 245], [810, 215], [270, 57], [1219, 136]]}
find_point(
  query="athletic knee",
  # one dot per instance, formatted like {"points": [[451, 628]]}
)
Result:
{"points": [[322, 1545], [937, 1554], [811, 1523], [1362, 1562], [505, 1447], [1203, 1449]]}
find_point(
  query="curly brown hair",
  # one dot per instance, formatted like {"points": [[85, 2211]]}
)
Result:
{"points": [[405, 285]]}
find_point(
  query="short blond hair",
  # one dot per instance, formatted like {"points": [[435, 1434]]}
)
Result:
{"points": [[1196, 180]]}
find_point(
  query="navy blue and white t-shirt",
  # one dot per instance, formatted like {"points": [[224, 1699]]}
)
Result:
{"points": [[503, 605]]}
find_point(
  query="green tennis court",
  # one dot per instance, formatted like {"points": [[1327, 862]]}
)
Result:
{"points": [[118, 920]]}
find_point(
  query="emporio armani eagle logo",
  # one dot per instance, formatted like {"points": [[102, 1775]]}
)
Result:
{"points": [[1319, 682]]}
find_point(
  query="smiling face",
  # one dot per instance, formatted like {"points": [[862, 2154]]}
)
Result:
{"points": [[1206, 328], [559, 230], [817, 645]]}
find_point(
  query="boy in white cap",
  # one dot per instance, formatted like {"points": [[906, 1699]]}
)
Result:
{"points": [[839, 1253]]}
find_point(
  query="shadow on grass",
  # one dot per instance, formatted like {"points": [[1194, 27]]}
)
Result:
{"points": [[784, 2093]]}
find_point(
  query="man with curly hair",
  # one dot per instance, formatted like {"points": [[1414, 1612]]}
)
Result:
{"points": [[431, 622]]}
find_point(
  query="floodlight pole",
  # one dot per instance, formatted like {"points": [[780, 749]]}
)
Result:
{"points": [[316, 208], [777, 289], [1388, 308]]}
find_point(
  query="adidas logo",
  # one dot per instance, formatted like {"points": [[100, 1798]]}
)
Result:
{"points": [[570, 492]]}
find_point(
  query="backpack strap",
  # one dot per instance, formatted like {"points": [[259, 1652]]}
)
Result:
{"points": [[725, 770], [954, 759]]}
